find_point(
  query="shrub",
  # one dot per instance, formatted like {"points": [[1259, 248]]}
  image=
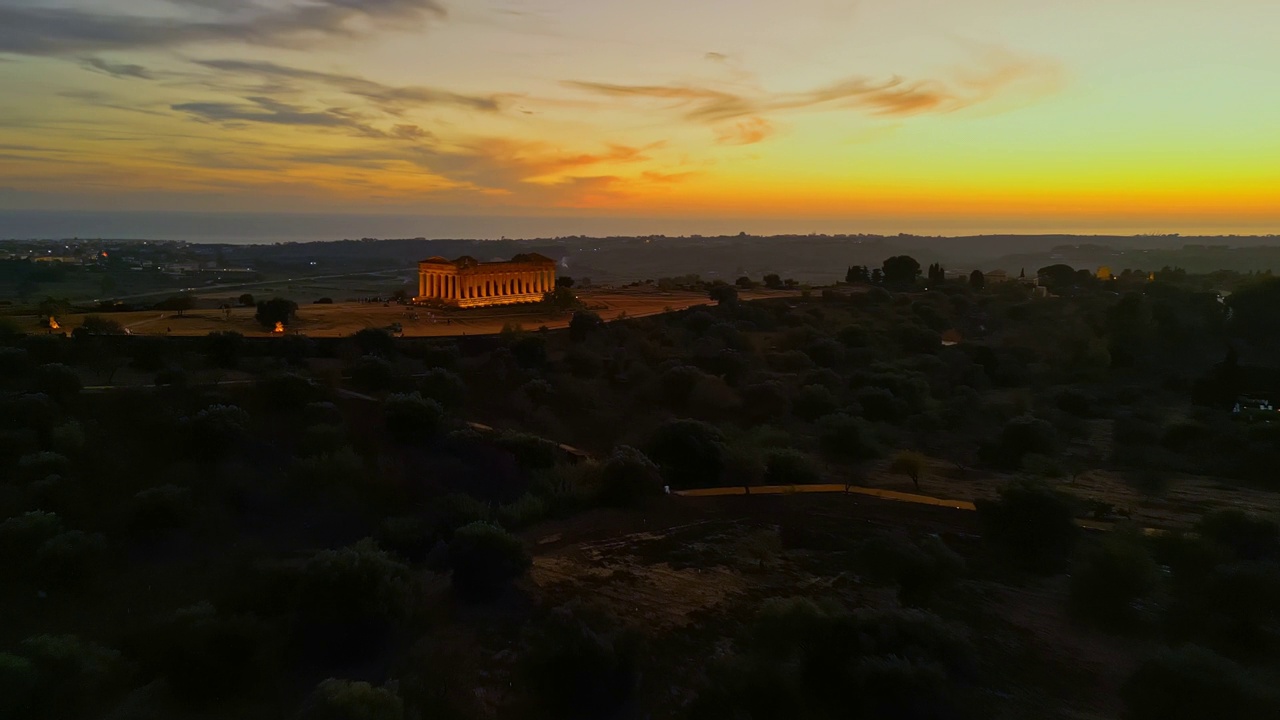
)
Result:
{"points": [[444, 387], [486, 559], [340, 467], [223, 349], [1109, 578], [845, 437], [531, 452], [528, 510], [348, 700], [688, 452], [208, 658], [1192, 683], [38, 466], [581, 662], [213, 430], [920, 569], [814, 401], [72, 676], [372, 373], [348, 598], [880, 405], [22, 535], [1033, 523], [68, 438], [790, 467], [14, 361], [158, 509], [58, 382], [628, 476], [1247, 536], [375, 341], [411, 418], [766, 401], [287, 391], [1026, 435], [18, 682], [70, 559]]}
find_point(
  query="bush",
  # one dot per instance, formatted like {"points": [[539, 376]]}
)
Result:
{"points": [[347, 700], [372, 373], [58, 382], [22, 535], [845, 437], [528, 510], [920, 569], [71, 559], [1026, 435], [880, 405], [1192, 683], [212, 431], [412, 419], [38, 466], [18, 682], [1108, 580], [814, 401], [486, 559], [72, 676], [210, 658], [287, 391], [349, 598], [581, 663], [790, 467], [1034, 524], [159, 509], [688, 452], [375, 341], [223, 349], [340, 467], [1247, 536], [444, 387], [531, 452], [629, 476]]}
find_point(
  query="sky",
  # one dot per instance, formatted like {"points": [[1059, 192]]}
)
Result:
{"points": [[861, 115]]}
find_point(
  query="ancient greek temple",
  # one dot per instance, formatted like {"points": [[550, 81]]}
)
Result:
{"points": [[467, 282]]}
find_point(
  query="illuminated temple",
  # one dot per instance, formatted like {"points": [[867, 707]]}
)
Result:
{"points": [[467, 282]]}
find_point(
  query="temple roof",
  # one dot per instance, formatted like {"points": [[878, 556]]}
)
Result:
{"points": [[468, 261]]}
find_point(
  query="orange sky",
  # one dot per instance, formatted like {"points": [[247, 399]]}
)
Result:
{"points": [[1120, 115]]}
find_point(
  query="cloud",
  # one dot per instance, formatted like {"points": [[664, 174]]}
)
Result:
{"points": [[29, 30], [715, 57], [388, 98], [120, 70], [895, 97], [271, 112], [745, 132]]}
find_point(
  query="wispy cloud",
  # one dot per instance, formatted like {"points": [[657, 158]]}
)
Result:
{"points": [[749, 109], [747, 131], [32, 30], [388, 98], [271, 112], [120, 70]]}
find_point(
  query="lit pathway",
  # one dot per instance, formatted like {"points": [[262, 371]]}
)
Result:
{"points": [[872, 492]]}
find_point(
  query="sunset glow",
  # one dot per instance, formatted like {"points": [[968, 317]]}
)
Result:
{"points": [[988, 114]]}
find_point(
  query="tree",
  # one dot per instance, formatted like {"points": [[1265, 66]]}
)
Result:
{"points": [[858, 274], [564, 281], [400, 296], [901, 271], [773, 281], [411, 418], [977, 280], [584, 324], [910, 464], [688, 452], [561, 298], [877, 276], [1034, 523], [628, 476], [275, 310], [486, 559], [745, 283], [723, 294], [246, 300], [177, 303]]}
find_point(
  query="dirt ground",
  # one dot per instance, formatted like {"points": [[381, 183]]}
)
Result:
{"points": [[689, 570], [342, 319]]}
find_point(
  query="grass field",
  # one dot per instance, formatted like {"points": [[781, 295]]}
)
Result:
{"points": [[346, 318]]}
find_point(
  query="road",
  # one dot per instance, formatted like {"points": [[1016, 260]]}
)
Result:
{"points": [[256, 283]]}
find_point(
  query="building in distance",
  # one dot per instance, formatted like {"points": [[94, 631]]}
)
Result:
{"points": [[467, 282]]}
